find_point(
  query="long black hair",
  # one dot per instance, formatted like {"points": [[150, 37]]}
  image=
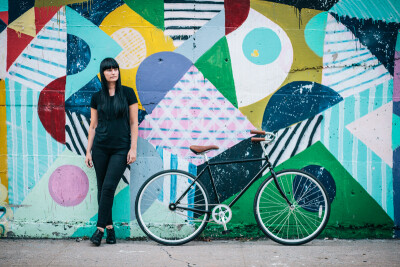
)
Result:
{"points": [[120, 103]]}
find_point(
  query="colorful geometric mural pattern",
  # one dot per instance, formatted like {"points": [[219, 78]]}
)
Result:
{"points": [[324, 75]]}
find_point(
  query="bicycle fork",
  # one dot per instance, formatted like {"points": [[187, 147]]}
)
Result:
{"points": [[271, 169], [280, 188]]}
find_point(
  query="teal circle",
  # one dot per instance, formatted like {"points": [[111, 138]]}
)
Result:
{"points": [[261, 46]]}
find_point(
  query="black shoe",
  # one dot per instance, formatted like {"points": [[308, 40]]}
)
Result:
{"points": [[111, 236], [96, 237]]}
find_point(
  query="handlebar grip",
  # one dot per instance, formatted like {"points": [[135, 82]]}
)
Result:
{"points": [[257, 139], [257, 132]]}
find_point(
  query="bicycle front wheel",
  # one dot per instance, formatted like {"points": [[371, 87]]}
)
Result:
{"points": [[296, 224], [160, 219]]}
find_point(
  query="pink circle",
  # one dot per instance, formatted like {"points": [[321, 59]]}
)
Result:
{"points": [[68, 185]]}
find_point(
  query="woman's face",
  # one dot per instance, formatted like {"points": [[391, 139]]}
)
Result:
{"points": [[111, 75]]}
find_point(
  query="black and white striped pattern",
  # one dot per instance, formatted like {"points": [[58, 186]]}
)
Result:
{"points": [[294, 139], [76, 137], [183, 18]]}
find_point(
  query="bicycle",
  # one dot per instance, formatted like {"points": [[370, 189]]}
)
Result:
{"points": [[291, 206]]}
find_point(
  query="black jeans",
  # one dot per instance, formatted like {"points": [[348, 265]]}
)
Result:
{"points": [[109, 165]]}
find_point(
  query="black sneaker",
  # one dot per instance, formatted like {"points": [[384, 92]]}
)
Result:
{"points": [[111, 236], [96, 237]]}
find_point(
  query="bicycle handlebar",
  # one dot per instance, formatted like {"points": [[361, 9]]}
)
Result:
{"points": [[269, 137], [257, 139], [258, 132]]}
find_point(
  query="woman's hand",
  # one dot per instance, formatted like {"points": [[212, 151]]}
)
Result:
{"points": [[88, 160], [131, 158]]}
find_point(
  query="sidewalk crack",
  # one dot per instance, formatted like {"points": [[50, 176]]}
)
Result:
{"points": [[175, 259]]}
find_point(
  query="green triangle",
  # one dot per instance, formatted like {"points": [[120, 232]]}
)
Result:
{"points": [[152, 11], [352, 207], [215, 65], [354, 213]]}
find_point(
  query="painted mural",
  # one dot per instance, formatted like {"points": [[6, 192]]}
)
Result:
{"points": [[323, 74]]}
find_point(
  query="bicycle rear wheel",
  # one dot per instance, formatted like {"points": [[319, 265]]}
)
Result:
{"points": [[167, 225], [303, 221]]}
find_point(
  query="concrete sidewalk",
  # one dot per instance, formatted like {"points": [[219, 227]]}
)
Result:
{"points": [[43, 252]]}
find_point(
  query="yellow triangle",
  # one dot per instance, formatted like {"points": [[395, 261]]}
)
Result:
{"points": [[25, 24]]}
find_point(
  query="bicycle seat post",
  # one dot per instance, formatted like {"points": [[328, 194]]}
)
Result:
{"points": [[205, 156]]}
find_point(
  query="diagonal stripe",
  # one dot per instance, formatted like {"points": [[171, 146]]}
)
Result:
{"points": [[51, 38], [56, 29], [305, 127], [80, 134], [48, 48], [25, 78], [330, 63], [365, 82], [72, 141], [35, 71], [75, 135], [316, 126], [44, 61]]}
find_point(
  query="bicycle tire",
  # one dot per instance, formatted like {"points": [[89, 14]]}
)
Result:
{"points": [[158, 221], [299, 224]]}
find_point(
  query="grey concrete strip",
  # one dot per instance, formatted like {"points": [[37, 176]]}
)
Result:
{"points": [[43, 252]]}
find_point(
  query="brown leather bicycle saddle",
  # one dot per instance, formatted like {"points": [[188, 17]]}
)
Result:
{"points": [[202, 149]]}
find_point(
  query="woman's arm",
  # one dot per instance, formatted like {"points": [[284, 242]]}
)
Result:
{"points": [[134, 124], [92, 132]]}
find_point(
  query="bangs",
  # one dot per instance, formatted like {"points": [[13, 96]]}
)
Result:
{"points": [[108, 63]]}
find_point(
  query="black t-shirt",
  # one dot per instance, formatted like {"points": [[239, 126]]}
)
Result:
{"points": [[112, 131]]}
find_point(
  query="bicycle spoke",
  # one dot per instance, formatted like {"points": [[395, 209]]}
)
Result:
{"points": [[277, 216], [276, 202], [281, 225], [315, 191], [301, 226]]}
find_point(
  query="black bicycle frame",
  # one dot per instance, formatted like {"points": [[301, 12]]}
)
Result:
{"points": [[255, 178]]}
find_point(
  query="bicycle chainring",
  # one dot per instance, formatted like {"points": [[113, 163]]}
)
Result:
{"points": [[222, 214]]}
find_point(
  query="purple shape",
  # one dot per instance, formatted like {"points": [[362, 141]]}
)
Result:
{"points": [[157, 74], [396, 190], [396, 77], [68, 185]]}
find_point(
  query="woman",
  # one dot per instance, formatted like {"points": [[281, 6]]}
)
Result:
{"points": [[112, 141]]}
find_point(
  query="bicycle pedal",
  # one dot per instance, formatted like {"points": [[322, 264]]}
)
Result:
{"points": [[225, 232]]}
